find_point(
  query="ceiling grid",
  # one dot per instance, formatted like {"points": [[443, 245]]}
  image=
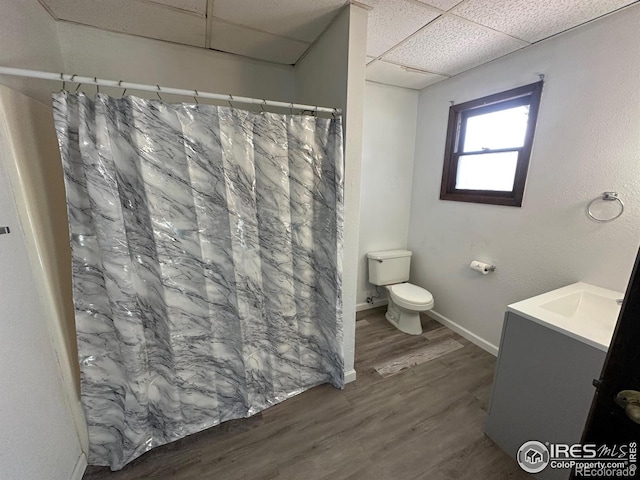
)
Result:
{"points": [[410, 43]]}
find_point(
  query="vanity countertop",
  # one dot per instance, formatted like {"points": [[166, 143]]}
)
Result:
{"points": [[581, 311]]}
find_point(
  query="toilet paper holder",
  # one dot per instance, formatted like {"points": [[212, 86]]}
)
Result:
{"points": [[482, 267]]}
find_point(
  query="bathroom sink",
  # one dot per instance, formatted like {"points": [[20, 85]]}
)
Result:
{"points": [[582, 311], [584, 305]]}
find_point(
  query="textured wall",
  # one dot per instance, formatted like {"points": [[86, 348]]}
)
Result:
{"points": [[33, 166], [387, 165], [587, 141], [37, 439], [36, 171]]}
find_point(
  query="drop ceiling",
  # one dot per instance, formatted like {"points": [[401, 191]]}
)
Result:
{"points": [[410, 43]]}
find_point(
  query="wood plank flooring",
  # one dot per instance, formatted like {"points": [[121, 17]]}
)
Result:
{"points": [[418, 356], [421, 421]]}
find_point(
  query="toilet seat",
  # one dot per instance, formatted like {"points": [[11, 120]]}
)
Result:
{"points": [[411, 297]]}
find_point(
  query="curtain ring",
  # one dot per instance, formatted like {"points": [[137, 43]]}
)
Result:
{"points": [[71, 80], [195, 97], [229, 101], [95, 79], [64, 84], [291, 108], [123, 91], [264, 102], [77, 88], [158, 93]]}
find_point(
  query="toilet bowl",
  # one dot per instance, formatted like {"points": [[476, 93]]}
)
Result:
{"points": [[406, 301]]}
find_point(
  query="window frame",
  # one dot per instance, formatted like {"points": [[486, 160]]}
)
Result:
{"points": [[456, 129]]}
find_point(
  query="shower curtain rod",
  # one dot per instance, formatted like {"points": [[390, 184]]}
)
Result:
{"points": [[66, 77]]}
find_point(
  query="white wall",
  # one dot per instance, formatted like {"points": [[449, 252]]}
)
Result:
{"points": [[32, 163], [92, 52], [390, 115], [587, 141], [332, 74], [28, 39], [41, 420], [37, 438]]}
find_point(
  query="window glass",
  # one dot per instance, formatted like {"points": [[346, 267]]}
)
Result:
{"points": [[487, 171], [495, 130]]}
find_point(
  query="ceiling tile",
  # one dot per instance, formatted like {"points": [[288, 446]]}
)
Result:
{"points": [[442, 4], [250, 43], [303, 20], [533, 20], [193, 6], [390, 74], [391, 21], [136, 18], [451, 45]]}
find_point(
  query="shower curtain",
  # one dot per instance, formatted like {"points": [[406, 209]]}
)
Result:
{"points": [[206, 245]]}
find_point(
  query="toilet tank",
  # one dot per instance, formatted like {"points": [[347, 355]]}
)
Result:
{"points": [[389, 266]]}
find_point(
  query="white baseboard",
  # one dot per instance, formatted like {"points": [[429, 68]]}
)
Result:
{"points": [[472, 337], [349, 376], [81, 466], [368, 306]]}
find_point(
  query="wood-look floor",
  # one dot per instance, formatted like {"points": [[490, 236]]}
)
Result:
{"points": [[424, 422]]}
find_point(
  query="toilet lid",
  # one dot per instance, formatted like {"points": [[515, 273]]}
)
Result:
{"points": [[410, 293]]}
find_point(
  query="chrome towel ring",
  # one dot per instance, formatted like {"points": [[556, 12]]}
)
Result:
{"points": [[609, 197]]}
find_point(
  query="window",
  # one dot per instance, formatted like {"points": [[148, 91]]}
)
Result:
{"points": [[488, 147]]}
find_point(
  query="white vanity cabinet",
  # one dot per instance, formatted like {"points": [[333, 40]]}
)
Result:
{"points": [[542, 388]]}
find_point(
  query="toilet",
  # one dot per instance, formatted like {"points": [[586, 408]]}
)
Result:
{"points": [[390, 268]]}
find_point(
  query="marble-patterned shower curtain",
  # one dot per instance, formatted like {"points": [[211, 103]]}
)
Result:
{"points": [[207, 246]]}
